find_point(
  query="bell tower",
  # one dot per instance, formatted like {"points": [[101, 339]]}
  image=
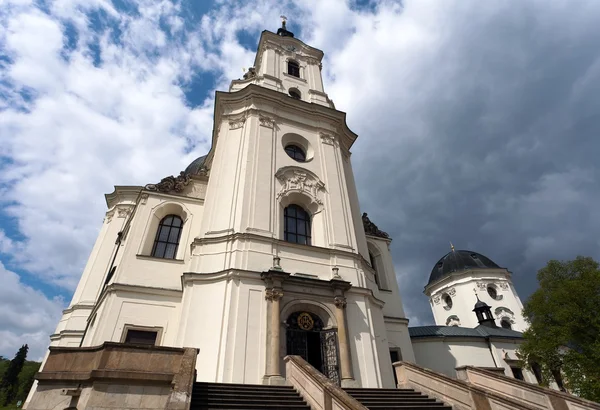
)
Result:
{"points": [[256, 250]]}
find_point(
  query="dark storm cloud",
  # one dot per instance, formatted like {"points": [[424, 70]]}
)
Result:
{"points": [[488, 137]]}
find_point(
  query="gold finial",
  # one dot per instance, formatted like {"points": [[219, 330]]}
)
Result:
{"points": [[451, 246]]}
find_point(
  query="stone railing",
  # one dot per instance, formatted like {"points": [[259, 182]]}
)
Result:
{"points": [[533, 395], [318, 391], [116, 375], [457, 393]]}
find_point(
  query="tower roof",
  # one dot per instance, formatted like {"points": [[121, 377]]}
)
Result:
{"points": [[456, 261]]}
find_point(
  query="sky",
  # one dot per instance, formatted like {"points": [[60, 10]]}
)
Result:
{"points": [[478, 124]]}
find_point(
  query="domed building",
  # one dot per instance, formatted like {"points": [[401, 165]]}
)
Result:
{"points": [[453, 282], [478, 319]]}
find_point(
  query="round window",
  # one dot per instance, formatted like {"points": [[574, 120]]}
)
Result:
{"points": [[492, 292], [505, 323], [295, 152]]}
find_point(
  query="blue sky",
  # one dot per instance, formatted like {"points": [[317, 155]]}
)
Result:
{"points": [[477, 124]]}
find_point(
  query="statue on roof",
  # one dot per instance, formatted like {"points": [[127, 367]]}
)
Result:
{"points": [[371, 228]]}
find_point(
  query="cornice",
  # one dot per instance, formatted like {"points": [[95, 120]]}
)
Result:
{"points": [[78, 306], [254, 95], [398, 320], [121, 193], [477, 273]]}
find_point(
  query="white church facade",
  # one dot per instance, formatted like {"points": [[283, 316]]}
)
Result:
{"points": [[259, 250]]}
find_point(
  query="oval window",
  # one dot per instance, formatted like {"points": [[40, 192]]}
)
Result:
{"points": [[492, 292], [295, 152]]}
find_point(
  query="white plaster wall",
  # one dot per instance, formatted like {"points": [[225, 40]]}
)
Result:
{"points": [[445, 355], [464, 298], [506, 354], [130, 308]]}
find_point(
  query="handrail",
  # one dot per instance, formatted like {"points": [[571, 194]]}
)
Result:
{"points": [[556, 399], [319, 391], [457, 393]]}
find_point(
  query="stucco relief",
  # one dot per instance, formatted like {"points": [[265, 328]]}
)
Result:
{"points": [[327, 138], [123, 212], [298, 180], [266, 121], [503, 285], [504, 313], [109, 215], [236, 123], [482, 286], [436, 299]]}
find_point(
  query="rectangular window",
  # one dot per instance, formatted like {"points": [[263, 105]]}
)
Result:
{"points": [[517, 373], [141, 337]]}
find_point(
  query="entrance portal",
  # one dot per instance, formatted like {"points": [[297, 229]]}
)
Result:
{"points": [[307, 339]]}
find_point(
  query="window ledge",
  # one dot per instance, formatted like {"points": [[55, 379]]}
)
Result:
{"points": [[154, 258], [294, 77]]}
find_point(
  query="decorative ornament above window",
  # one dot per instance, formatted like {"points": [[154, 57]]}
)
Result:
{"points": [[296, 180], [371, 228], [170, 184]]}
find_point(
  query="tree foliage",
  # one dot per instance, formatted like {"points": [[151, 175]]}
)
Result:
{"points": [[564, 332], [16, 377]]}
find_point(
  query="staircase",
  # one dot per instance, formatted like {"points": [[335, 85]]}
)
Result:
{"points": [[407, 399], [245, 396]]}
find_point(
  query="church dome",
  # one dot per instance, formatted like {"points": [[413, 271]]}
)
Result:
{"points": [[456, 261], [196, 167]]}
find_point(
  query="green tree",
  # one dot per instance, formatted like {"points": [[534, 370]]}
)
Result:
{"points": [[564, 332], [26, 378], [10, 380]]}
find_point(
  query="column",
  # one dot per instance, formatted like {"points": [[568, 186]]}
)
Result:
{"points": [[345, 362], [274, 295]]}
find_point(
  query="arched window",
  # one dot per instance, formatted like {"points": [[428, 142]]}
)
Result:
{"points": [[505, 323], [293, 69], [294, 93], [296, 225], [374, 266], [167, 237]]}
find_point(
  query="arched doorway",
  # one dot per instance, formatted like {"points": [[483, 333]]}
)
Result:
{"points": [[305, 337]]}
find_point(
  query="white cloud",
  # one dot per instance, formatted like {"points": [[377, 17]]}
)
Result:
{"points": [[464, 106], [26, 316]]}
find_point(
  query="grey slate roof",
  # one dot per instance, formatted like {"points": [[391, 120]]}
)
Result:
{"points": [[195, 166], [457, 331], [455, 261]]}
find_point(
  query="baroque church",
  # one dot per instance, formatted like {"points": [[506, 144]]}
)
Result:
{"points": [[259, 250]]}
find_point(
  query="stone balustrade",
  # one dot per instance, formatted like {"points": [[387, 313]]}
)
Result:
{"points": [[457, 393], [533, 395], [318, 391], [115, 376]]}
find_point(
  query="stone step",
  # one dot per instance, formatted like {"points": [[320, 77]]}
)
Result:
{"points": [[376, 390], [245, 397], [388, 394], [279, 395], [241, 386], [376, 400], [244, 406], [266, 400]]}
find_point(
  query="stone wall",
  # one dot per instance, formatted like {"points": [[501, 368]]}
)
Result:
{"points": [[115, 376]]}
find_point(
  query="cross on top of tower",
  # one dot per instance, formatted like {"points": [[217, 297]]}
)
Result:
{"points": [[283, 31]]}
